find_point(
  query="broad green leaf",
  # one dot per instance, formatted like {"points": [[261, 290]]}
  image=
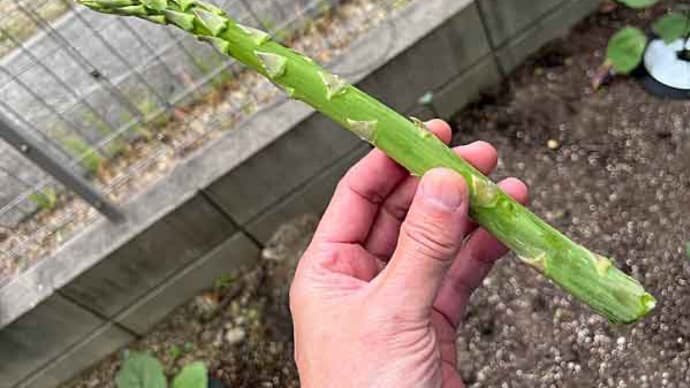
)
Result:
{"points": [[671, 26], [639, 3], [193, 375], [625, 49], [140, 370]]}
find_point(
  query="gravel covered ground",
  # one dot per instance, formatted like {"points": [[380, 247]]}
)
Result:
{"points": [[612, 170], [609, 168]]}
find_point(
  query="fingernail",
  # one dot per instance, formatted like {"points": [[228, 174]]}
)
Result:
{"points": [[443, 188]]}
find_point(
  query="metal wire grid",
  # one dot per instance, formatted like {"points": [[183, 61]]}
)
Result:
{"points": [[165, 103]]}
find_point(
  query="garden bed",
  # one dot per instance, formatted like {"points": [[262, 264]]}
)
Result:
{"points": [[140, 157], [609, 168], [19, 25], [241, 328]]}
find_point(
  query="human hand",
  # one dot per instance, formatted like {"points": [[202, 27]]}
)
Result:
{"points": [[380, 291]]}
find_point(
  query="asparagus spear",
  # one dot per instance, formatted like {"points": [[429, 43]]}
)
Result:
{"points": [[591, 278]]}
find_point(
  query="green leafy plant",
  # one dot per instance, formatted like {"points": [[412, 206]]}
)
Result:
{"points": [[193, 375], [639, 3], [174, 352], [141, 370], [672, 26], [626, 47], [590, 277], [115, 146], [88, 156], [224, 281], [45, 199], [152, 110]]}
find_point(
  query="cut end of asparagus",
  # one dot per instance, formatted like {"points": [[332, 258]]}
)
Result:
{"points": [[648, 302], [594, 280], [630, 301]]}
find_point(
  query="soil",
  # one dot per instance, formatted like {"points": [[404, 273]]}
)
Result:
{"points": [[610, 168], [241, 328]]}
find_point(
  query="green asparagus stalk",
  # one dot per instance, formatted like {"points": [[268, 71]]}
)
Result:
{"points": [[591, 278]]}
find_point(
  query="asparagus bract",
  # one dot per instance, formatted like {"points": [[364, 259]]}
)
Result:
{"points": [[591, 278]]}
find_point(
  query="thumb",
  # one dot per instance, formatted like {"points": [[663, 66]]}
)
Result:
{"points": [[430, 238]]}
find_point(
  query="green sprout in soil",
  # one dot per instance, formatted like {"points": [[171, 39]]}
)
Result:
{"points": [[141, 370], [174, 352], [591, 278], [116, 146], [225, 281], [88, 156], [45, 199]]}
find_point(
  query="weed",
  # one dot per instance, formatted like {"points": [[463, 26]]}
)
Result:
{"points": [[174, 352], [116, 146], [45, 199], [88, 156], [142, 370], [224, 281]]}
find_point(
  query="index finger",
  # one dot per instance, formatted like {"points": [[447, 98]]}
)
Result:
{"points": [[361, 192]]}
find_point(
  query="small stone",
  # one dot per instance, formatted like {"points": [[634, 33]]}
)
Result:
{"points": [[206, 305], [553, 144], [235, 336]]}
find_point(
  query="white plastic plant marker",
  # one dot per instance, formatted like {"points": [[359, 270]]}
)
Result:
{"points": [[663, 64]]}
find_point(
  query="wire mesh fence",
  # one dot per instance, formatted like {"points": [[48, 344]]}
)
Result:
{"points": [[120, 102]]}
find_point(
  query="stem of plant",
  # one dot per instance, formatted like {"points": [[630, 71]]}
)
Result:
{"points": [[591, 278]]}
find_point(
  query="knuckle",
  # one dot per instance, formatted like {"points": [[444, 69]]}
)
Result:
{"points": [[430, 240], [396, 210], [296, 294]]}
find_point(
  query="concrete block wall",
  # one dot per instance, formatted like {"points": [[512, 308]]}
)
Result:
{"points": [[46, 77], [214, 213]]}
